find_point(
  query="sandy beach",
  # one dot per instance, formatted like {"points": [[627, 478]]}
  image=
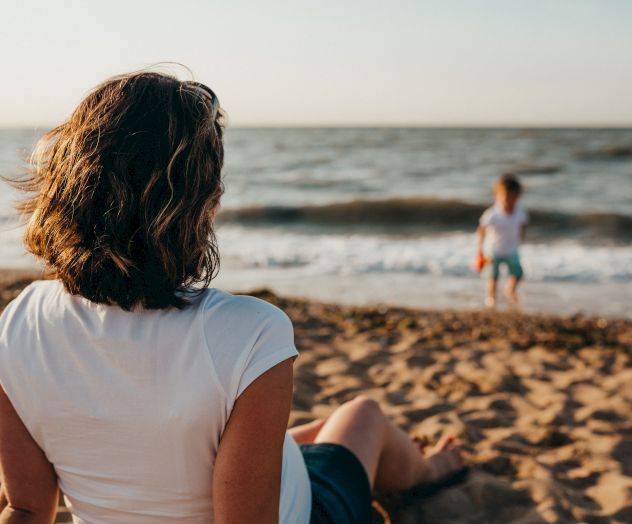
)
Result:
{"points": [[541, 404]]}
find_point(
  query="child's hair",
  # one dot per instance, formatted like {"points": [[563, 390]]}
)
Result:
{"points": [[509, 183], [124, 192]]}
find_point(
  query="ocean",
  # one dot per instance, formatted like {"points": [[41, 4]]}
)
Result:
{"points": [[307, 210]]}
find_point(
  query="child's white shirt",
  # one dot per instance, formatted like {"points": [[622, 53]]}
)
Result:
{"points": [[503, 229]]}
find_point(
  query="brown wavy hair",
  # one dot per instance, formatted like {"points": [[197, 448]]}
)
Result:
{"points": [[123, 194]]}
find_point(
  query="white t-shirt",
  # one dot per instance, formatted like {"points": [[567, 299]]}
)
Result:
{"points": [[503, 229], [129, 407]]}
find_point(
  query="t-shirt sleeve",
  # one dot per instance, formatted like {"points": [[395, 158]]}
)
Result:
{"points": [[16, 361], [524, 217], [246, 337], [486, 217], [274, 344]]}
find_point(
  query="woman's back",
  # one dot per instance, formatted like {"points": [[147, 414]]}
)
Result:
{"points": [[129, 407]]}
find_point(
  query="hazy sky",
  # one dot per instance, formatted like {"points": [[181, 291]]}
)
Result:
{"points": [[334, 62]]}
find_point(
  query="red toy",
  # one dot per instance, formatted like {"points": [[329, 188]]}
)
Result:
{"points": [[479, 263]]}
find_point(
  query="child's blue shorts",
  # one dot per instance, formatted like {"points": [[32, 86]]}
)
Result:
{"points": [[512, 262]]}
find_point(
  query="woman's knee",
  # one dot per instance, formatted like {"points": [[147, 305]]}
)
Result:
{"points": [[365, 408]]}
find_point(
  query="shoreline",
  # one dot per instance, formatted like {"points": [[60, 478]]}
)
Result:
{"points": [[542, 404], [610, 301]]}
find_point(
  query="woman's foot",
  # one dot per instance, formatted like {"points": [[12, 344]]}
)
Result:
{"points": [[444, 461], [421, 443]]}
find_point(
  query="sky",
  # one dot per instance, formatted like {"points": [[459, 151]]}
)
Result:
{"points": [[333, 62]]}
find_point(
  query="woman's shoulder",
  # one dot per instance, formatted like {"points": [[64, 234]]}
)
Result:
{"points": [[31, 295], [37, 287], [19, 318], [243, 308]]}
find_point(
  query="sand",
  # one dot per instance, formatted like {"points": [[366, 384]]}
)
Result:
{"points": [[542, 405]]}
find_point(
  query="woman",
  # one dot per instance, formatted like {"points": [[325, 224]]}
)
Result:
{"points": [[146, 396]]}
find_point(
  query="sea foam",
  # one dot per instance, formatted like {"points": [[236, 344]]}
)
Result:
{"points": [[441, 255]]}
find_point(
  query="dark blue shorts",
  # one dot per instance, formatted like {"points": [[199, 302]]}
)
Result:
{"points": [[341, 493]]}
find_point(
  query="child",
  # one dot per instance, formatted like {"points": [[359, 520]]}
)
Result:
{"points": [[505, 223]]}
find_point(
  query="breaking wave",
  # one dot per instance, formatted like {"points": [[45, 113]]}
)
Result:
{"points": [[425, 215]]}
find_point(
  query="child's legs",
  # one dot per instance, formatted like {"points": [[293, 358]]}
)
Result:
{"points": [[492, 281], [390, 458], [512, 285], [515, 274], [492, 286]]}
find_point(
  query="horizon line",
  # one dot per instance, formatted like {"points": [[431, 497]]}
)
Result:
{"points": [[392, 125]]}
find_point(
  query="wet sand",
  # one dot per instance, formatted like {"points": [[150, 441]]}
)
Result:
{"points": [[606, 299], [541, 404]]}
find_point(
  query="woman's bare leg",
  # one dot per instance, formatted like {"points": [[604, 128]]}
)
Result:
{"points": [[391, 459], [306, 433]]}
